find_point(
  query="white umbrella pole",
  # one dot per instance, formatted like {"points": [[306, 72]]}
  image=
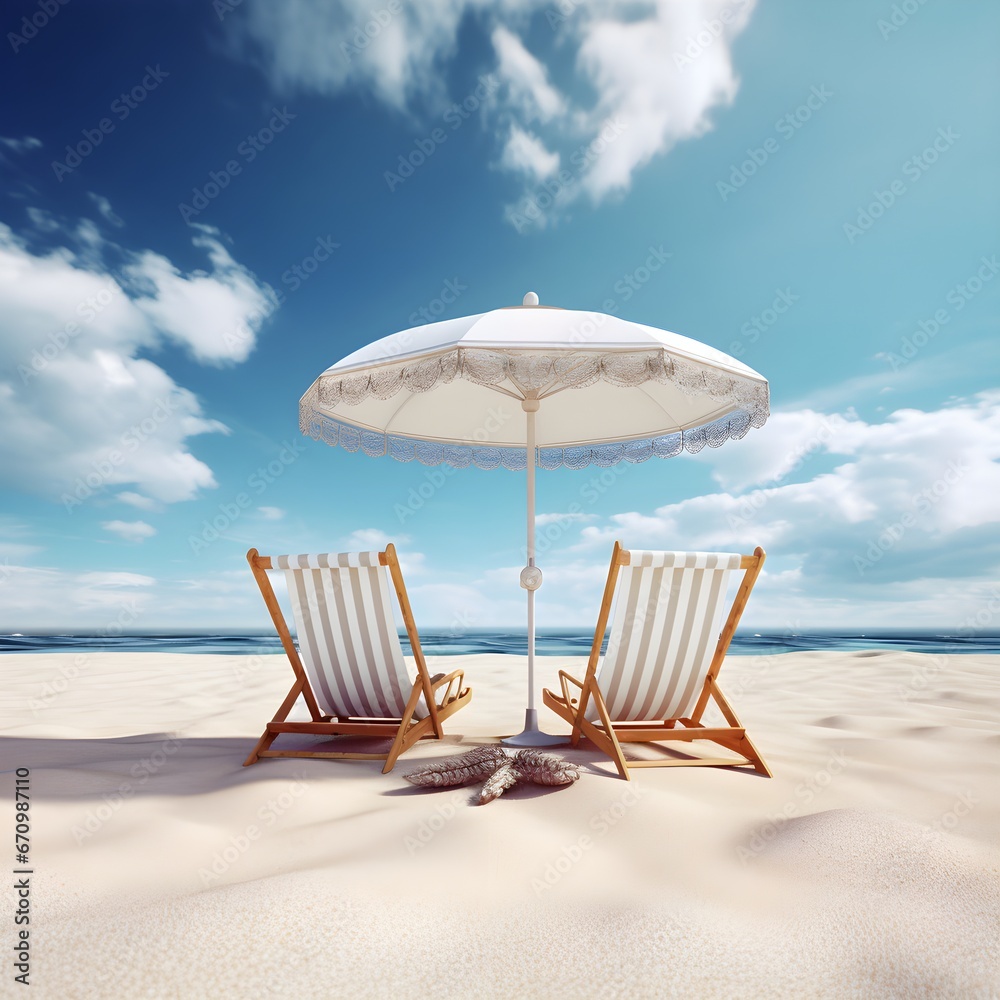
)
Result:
{"points": [[531, 580], [531, 561]]}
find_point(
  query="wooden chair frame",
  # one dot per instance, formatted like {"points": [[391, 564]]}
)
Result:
{"points": [[609, 735], [405, 731]]}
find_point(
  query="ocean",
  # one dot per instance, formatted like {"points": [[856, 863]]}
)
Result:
{"points": [[548, 642]]}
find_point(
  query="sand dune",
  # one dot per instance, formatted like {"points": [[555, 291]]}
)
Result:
{"points": [[867, 867]]}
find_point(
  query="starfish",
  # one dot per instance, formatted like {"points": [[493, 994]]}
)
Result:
{"points": [[499, 771]]}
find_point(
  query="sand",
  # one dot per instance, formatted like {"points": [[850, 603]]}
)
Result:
{"points": [[867, 867]]}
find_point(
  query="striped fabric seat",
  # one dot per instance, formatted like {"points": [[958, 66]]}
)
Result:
{"points": [[666, 624], [671, 625], [349, 669], [346, 634]]}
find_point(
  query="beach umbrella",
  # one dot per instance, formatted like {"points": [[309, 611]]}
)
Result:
{"points": [[533, 386]]}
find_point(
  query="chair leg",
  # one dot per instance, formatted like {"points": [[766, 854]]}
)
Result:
{"points": [[262, 744], [753, 755], [399, 744], [745, 745], [616, 753], [268, 737]]}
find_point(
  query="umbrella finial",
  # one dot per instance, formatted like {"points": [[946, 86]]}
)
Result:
{"points": [[530, 299]]}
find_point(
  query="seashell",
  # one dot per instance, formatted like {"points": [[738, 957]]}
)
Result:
{"points": [[498, 782], [544, 768], [474, 765]]}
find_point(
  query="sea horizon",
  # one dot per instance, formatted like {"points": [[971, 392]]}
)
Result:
{"points": [[509, 641]]}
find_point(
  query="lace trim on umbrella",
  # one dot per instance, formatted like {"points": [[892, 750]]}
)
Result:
{"points": [[548, 373], [322, 427]]}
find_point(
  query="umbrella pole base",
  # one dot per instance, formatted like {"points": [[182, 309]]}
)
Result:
{"points": [[532, 736]]}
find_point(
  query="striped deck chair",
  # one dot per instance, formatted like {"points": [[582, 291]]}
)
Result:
{"points": [[663, 658], [349, 667]]}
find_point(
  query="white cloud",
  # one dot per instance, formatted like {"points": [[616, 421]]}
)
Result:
{"points": [[324, 47], [130, 531], [81, 410], [528, 87], [656, 71], [38, 598], [43, 221], [772, 452], [271, 513], [206, 313], [912, 513], [570, 517], [524, 153], [20, 145], [643, 76], [104, 207], [138, 500], [115, 580], [370, 539], [15, 551]]}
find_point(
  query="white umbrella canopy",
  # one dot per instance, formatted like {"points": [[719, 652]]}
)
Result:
{"points": [[593, 389]]}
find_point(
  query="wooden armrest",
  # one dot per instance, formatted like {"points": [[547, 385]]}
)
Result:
{"points": [[565, 680], [438, 679]]}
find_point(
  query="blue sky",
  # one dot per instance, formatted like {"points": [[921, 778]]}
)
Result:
{"points": [[204, 205]]}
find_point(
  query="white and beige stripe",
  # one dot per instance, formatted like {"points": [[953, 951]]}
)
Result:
{"points": [[668, 615], [346, 634]]}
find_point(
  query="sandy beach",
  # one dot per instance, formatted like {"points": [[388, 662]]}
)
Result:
{"points": [[868, 866]]}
